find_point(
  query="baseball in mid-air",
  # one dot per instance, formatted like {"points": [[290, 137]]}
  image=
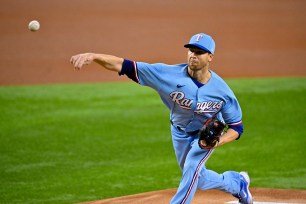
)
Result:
{"points": [[34, 26]]}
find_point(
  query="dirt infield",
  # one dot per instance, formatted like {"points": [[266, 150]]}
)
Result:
{"points": [[261, 195], [253, 38]]}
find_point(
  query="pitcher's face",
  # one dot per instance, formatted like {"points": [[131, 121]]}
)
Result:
{"points": [[198, 59]]}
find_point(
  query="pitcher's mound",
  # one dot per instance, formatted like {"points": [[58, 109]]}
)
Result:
{"points": [[260, 195]]}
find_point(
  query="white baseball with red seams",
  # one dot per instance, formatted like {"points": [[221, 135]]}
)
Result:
{"points": [[34, 26]]}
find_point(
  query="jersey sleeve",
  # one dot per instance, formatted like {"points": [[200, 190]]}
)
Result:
{"points": [[232, 114], [143, 73], [231, 111], [129, 69]]}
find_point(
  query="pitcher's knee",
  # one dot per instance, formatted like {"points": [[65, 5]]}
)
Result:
{"points": [[232, 181]]}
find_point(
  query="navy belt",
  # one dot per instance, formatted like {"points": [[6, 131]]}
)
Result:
{"points": [[188, 133]]}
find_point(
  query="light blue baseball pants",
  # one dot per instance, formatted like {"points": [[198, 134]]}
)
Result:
{"points": [[191, 159]]}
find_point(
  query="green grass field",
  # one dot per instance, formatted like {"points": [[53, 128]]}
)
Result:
{"points": [[74, 143]]}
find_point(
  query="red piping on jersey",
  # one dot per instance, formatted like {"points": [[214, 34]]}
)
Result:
{"points": [[135, 71], [238, 123]]}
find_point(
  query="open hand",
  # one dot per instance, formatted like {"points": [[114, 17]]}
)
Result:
{"points": [[80, 60]]}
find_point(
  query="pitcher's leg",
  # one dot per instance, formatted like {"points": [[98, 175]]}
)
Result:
{"points": [[181, 144], [228, 181], [195, 161]]}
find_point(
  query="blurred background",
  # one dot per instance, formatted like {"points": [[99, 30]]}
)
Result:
{"points": [[59, 143], [253, 38]]}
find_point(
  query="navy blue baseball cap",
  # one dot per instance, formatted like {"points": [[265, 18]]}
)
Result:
{"points": [[202, 41]]}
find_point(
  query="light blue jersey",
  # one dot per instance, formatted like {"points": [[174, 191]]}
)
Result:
{"points": [[191, 104]]}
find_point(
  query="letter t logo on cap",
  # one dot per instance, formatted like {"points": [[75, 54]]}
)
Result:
{"points": [[199, 37], [202, 41]]}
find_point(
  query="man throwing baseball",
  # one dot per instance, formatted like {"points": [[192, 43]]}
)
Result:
{"points": [[201, 104]]}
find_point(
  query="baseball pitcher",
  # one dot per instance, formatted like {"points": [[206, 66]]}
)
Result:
{"points": [[204, 114]]}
